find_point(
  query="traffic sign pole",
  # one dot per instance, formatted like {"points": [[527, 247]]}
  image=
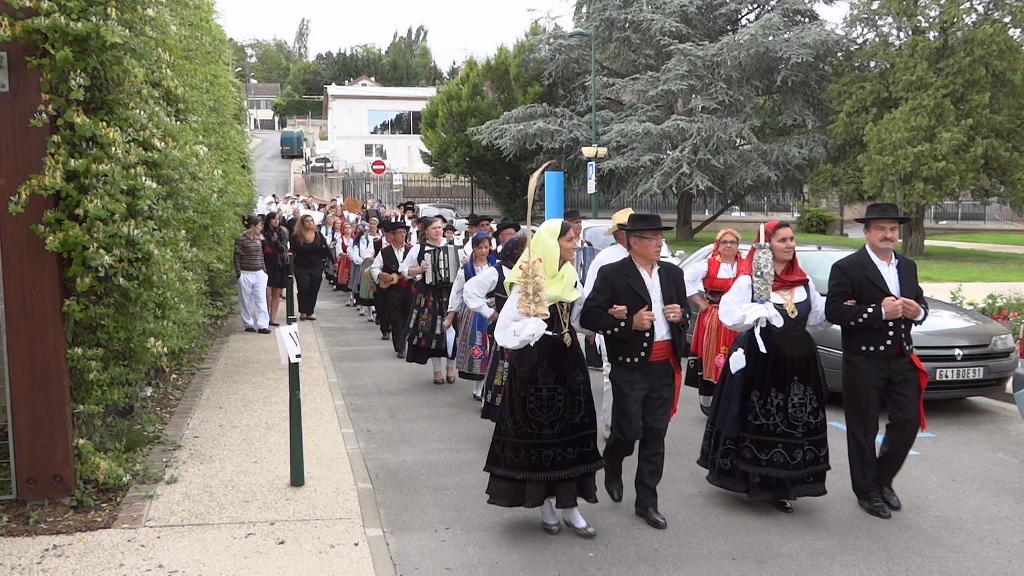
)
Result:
{"points": [[297, 462]]}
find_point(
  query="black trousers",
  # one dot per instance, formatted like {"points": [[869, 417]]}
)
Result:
{"points": [[641, 403], [867, 382], [308, 281], [393, 306]]}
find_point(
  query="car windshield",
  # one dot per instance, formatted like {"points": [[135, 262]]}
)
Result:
{"points": [[818, 264]]}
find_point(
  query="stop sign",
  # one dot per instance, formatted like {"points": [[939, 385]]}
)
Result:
{"points": [[378, 167]]}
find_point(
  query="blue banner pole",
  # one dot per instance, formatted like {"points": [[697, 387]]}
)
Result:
{"points": [[554, 194]]}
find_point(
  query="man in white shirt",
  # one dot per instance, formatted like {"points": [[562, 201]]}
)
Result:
{"points": [[875, 298], [614, 253]]}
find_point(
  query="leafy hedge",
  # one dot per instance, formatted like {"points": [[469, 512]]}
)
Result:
{"points": [[813, 220], [298, 107], [148, 160]]}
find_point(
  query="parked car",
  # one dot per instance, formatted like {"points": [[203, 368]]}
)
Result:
{"points": [[448, 211], [966, 353], [320, 165], [593, 232]]}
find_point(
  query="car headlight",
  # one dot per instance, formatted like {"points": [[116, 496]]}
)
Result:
{"points": [[1002, 343]]}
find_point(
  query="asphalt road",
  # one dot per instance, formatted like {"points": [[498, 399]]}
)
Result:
{"points": [[425, 446], [272, 171]]}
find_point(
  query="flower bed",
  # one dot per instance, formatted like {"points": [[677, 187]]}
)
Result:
{"points": [[1007, 309]]}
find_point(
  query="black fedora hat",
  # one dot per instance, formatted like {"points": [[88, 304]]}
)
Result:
{"points": [[882, 211], [505, 224], [639, 222], [572, 215]]}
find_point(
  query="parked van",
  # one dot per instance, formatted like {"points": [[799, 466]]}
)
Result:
{"points": [[292, 142]]}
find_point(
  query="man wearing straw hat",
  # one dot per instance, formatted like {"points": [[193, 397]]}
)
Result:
{"points": [[614, 253]]}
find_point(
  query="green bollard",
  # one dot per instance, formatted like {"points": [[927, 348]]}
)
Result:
{"points": [[298, 473]]}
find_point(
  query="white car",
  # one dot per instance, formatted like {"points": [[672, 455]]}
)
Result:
{"points": [[593, 232]]}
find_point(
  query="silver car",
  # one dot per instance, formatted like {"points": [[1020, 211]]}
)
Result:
{"points": [[966, 353]]}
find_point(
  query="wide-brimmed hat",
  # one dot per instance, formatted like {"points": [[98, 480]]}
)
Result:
{"points": [[449, 226], [618, 219], [640, 222], [474, 220], [883, 211], [505, 224], [572, 215]]}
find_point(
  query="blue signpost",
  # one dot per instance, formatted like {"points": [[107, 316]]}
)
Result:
{"points": [[554, 194]]}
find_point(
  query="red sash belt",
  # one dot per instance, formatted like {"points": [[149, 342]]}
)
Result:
{"points": [[922, 383], [664, 350]]}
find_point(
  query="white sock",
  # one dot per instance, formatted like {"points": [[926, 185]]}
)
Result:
{"points": [[573, 516], [705, 401], [547, 512], [478, 388]]}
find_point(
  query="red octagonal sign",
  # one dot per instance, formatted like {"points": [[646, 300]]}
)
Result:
{"points": [[378, 167]]}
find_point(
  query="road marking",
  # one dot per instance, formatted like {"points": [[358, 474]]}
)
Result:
{"points": [[880, 437]]}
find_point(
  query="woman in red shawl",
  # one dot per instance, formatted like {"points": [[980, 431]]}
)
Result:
{"points": [[711, 340], [766, 436]]}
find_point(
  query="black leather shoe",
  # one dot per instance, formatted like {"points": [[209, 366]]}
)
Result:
{"points": [[890, 498], [400, 354], [653, 517], [783, 506], [876, 507], [614, 488], [385, 336]]}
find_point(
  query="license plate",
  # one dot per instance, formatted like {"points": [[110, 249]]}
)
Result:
{"points": [[971, 373]]}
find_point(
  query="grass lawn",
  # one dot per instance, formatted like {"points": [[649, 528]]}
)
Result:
{"points": [[1003, 238], [939, 264]]}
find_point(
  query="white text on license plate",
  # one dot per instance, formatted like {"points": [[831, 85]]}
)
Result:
{"points": [[971, 373]]}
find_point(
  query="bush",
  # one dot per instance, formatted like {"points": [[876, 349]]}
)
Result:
{"points": [[815, 220], [148, 160]]}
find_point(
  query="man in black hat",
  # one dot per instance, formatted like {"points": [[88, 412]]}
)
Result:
{"points": [[639, 306], [505, 230], [575, 220], [394, 298], [876, 299]]}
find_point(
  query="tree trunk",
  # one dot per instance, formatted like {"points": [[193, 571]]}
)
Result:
{"points": [[913, 242], [684, 217]]}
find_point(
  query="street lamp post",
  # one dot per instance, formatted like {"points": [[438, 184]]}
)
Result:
{"points": [[593, 151]]}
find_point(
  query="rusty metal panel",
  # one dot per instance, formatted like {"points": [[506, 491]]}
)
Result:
{"points": [[40, 402]]}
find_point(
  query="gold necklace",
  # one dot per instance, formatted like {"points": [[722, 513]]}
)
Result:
{"points": [[564, 311], [787, 298]]}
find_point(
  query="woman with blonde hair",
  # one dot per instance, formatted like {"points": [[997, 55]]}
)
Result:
{"points": [[711, 340], [544, 450]]}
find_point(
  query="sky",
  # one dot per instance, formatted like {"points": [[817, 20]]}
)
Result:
{"points": [[457, 29]]}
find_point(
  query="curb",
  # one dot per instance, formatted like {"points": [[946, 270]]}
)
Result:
{"points": [[373, 528], [134, 508]]}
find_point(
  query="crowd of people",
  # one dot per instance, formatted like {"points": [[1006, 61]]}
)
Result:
{"points": [[504, 309]]}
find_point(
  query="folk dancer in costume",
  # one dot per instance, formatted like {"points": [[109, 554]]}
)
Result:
{"points": [[411, 221], [614, 253], [711, 340], [344, 262], [362, 252], [449, 233], [473, 352], [575, 220], [544, 450], [251, 274], [426, 335], [485, 294], [876, 299], [504, 232], [640, 308], [393, 296], [766, 436], [474, 227]]}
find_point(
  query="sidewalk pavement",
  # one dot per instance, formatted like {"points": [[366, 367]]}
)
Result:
{"points": [[1005, 248], [976, 290], [225, 505]]}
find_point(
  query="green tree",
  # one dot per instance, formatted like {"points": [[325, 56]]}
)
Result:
{"points": [[409, 62], [712, 100], [928, 106], [272, 60], [300, 47], [477, 94]]}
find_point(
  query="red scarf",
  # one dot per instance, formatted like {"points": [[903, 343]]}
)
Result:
{"points": [[790, 277]]}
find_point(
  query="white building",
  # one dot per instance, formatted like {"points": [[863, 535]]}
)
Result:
{"points": [[367, 121]]}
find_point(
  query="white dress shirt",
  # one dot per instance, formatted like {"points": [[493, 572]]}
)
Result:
{"points": [[695, 275], [378, 261], [891, 275], [653, 282], [478, 287], [456, 303]]}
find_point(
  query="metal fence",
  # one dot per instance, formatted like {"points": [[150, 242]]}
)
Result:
{"points": [[974, 212], [393, 189]]}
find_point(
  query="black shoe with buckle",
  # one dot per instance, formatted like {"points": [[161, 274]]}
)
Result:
{"points": [[890, 498], [653, 518], [876, 507]]}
